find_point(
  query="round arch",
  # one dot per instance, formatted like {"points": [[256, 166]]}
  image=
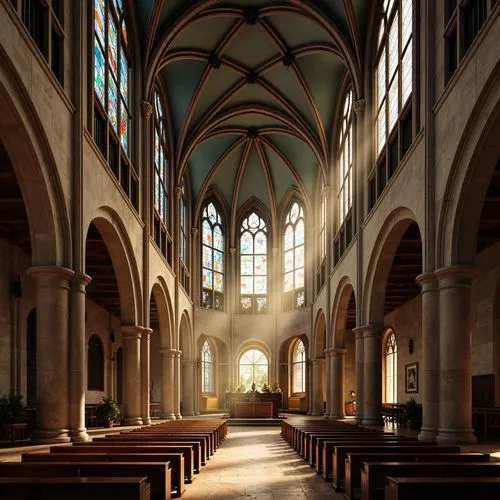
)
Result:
{"points": [[185, 336], [159, 292], [120, 250], [343, 296]]}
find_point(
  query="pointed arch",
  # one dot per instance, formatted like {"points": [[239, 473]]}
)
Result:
{"points": [[390, 366], [159, 292], [95, 363], [319, 343], [340, 310], [186, 336]]}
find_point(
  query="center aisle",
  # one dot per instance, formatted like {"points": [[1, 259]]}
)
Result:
{"points": [[256, 463]]}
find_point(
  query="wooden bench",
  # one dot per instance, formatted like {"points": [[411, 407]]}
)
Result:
{"points": [[187, 452], [354, 463], [206, 439], [75, 488], [176, 461], [158, 474], [340, 452], [439, 488], [374, 473]]}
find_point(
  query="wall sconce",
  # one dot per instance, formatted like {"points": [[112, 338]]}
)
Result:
{"points": [[410, 345], [17, 290]]}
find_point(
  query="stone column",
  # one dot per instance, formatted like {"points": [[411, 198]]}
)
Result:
{"points": [[337, 381], [145, 374], [77, 359], [430, 357], [318, 382], [167, 383], [360, 373], [53, 284], [372, 378], [455, 360], [177, 384], [131, 340], [329, 383], [188, 387]]}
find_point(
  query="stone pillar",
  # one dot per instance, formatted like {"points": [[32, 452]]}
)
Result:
{"points": [[145, 374], [318, 382], [77, 359], [188, 387], [360, 373], [167, 384], [52, 390], [328, 382], [177, 384], [337, 381], [455, 360], [372, 377], [430, 357], [131, 340]]}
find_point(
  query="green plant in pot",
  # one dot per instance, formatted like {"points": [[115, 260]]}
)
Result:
{"points": [[12, 409], [108, 411]]}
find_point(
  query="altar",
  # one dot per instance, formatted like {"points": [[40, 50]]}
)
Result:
{"points": [[253, 404]]}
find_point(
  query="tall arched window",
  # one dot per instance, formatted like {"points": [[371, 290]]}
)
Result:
{"points": [[391, 368], [253, 265], [253, 369], [299, 367], [161, 177], [95, 364], [293, 258], [212, 254], [321, 273], [394, 83], [207, 369], [345, 160], [183, 236], [111, 90]]}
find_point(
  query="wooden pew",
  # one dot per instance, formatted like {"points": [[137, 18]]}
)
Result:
{"points": [[354, 463], [438, 488], [186, 434], [158, 474], [340, 452], [176, 461], [374, 473], [187, 452], [75, 488]]}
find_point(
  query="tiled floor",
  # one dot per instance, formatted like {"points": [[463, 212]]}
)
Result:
{"points": [[256, 463]]}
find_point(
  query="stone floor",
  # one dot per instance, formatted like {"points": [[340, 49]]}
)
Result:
{"points": [[256, 463]]}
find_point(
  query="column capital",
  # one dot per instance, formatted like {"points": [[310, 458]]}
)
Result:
{"points": [[329, 351], [359, 107], [194, 232], [51, 272], [171, 353], [146, 333], [326, 190], [457, 275], [364, 331], [428, 281], [131, 331], [178, 192], [339, 351], [146, 109], [82, 279], [232, 251]]}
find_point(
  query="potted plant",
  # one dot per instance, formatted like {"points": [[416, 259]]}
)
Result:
{"points": [[108, 411], [12, 416]]}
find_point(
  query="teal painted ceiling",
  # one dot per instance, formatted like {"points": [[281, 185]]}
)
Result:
{"points": [[253, 88]]}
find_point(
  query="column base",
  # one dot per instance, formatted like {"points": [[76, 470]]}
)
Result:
{"points": [[51, 436], [146, 421], [378, 421], [178, 417], [189, 413], [456, 436], [132, 421], [79, 435], [427, 434], [168, 416]]}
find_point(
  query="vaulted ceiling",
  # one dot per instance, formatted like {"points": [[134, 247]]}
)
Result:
{"points": [[252, 89]]}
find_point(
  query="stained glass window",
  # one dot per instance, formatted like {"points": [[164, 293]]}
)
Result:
{"points": [[299, 367], [345, 160], [253, 265], [111, 67], [184, 229], [391, 365], [294, 258], [212, 294], [253, 369], [393, 70], [160, 160], [207, 369], [185, 278]]}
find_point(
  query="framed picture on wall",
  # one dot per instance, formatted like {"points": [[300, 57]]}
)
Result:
{"points": [[412, 377]]}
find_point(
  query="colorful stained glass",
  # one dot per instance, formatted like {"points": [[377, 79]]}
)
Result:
{"points": [[206, 233], [124, 32], [113, 46], [288, 237], [261, 305], [99, 19], [260, 263], [288, 282], [246, 284], [207, 257], [246, 303], [157, 191], [289, 261], [218, 261], [246, 243], [157, 150], [112, 102], [299, 278], [218, 282], [124, 126], [247, 265], [118, 5], [299, 233], [124, 78], [99, 82], [211, 212], [260, 242], [207, 278], [218, 238], [260, 284], [299, 257]]}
